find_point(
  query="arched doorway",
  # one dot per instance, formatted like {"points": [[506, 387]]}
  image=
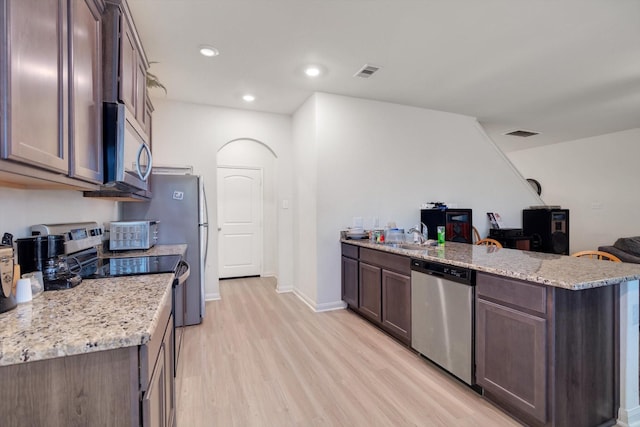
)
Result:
{"points": [[247, 209]]}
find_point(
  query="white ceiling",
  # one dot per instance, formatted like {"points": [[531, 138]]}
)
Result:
{"points": [[566, 68]]}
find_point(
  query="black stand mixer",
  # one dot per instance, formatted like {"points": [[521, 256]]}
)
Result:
{"points": [[47, 254]]}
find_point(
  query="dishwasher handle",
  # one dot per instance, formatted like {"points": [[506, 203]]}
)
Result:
{"points": [[457, 274]]}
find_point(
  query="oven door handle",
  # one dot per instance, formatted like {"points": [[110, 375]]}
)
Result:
{"points": [[185, 269]]}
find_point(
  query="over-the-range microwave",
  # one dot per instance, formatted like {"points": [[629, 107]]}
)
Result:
{"points": [[127, 157]]}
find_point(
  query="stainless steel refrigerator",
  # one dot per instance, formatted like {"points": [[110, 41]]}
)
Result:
{"points": [[180, 204]]}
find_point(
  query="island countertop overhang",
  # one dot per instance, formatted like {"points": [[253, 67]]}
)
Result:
{"points": [[559, 271]]}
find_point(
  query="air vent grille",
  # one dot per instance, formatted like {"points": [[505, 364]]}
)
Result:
{"points": [[522, 133], [366, 71]]}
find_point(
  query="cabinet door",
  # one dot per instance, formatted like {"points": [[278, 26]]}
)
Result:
{"points": [[169, 377], [350, 281], [141, 91], [148, 111], [35, 99], [511, 362], [128, 65], [396, 304], [154, 400], [370, 291], [85, 67]]}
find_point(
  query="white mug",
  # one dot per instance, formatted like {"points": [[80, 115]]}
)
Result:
{"points": [[23, 290]]}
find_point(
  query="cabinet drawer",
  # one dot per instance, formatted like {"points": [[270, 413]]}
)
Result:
{"points": [[350, 250], [512, 292], [397, 263]]}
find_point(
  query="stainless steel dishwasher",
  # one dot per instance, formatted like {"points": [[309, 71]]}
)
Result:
{"points": [[442, 316]]}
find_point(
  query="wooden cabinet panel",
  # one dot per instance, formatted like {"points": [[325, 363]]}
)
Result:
{"points": [[92, 389], [511, 292], [511, 362], [383, 293], [396, 304], [169, 377], [50, 93], [35, 97], [85, 67], [141, 92], [350, 250], [370, 291], [397, 263], [350, 281], [153, 403], [148, 113], [128, 66]]}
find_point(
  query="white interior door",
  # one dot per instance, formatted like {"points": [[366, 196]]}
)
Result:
{"points": [[240, 222]]}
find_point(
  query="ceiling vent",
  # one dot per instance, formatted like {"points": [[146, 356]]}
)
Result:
{"points": [[522, 133], [366, 71]]}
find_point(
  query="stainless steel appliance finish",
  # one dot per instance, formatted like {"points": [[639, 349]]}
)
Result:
{"points": [[442, 316], [179, 204], [7, 297], [182, 274], [78, 235], [128, 159], [128, 235]]}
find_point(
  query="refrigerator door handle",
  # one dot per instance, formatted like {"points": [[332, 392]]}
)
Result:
{"points": [[206, 242], [205, 206]]}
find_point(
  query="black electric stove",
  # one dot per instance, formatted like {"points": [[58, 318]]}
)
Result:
{"points": [[131, 266]]}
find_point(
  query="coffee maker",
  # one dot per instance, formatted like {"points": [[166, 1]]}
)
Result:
{"points": [[7, 298], [47, 254]]}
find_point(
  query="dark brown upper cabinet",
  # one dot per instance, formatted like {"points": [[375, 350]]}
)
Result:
{"points": [[50, 93]]}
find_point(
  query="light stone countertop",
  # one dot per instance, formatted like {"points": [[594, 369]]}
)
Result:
{"points": [[96, 315], [547, 269]]}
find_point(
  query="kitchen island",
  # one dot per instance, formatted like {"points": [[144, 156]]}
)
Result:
{"points": [[556, 338], [100, 353]]}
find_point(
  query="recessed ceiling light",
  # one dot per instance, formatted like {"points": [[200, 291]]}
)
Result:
{"points": [[312, 71], [209, 51], [249, 98]]}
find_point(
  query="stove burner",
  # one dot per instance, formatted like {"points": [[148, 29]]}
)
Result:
{"points": [[131, 266]]}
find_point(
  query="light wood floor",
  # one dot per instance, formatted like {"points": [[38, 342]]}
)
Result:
{"points": [[265, 359]]}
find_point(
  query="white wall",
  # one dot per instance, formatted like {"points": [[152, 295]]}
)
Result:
{"points": [[383, 160], [596, 179], [23, 208], [305, 231], [192, 134]]}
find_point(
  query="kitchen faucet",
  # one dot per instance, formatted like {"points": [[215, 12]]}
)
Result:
{"points": [[421, 232]]}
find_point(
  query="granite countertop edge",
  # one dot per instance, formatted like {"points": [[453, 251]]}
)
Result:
{"points": [[97, 315], [554, 270]]}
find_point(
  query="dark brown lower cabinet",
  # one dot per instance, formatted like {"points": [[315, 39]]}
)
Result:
{"points": [[384, 291], [396, 291], [370, 291], [129, 386], [350, 275], [511, 361], [547, 355]]}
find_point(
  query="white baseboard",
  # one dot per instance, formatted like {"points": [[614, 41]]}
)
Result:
{"points": [[284, 289], [329, 306], [212, 297], [629, 417]]}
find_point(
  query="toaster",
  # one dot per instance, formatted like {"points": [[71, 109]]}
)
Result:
{"points": [[128, 235]]}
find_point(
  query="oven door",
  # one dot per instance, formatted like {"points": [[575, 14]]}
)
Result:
{"points": [[179, 309]]}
